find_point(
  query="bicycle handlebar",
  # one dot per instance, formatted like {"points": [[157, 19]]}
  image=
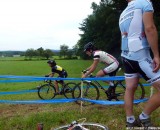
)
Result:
{"points": [[90, 75]]}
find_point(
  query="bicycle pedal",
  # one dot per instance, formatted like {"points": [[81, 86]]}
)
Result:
{"points": [[56, 93]]}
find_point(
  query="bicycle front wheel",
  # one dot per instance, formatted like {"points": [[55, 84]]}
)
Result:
{"points": [[90, 126], [46, 92], [90, 91], [68, 89]]}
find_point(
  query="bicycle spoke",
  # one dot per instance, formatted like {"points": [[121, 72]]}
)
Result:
{"points": [[140, 92], [46, 92], [90, 91], [90, 126], [68, 89], [120, 90]]}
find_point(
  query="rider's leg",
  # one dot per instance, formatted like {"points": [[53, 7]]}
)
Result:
{"points": [[101, 73], [154, 101], [111, 89], [56, 86], [131, 86], [111, 70]]}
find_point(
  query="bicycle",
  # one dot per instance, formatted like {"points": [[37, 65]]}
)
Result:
{"points": [[48, 90], [77, 125], [91, 91]]}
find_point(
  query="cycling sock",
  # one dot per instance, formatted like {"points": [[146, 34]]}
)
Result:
{"points": [[130, 119], [111, 84], [143, 116]]}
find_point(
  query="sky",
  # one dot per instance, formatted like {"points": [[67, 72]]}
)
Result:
{"points": [[26, 24]]}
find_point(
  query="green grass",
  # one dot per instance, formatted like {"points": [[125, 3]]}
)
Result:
{"points": [[26, 117]]}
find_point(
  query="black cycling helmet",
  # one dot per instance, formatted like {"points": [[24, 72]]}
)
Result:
{"points": [[52, 62], [89, 46]]}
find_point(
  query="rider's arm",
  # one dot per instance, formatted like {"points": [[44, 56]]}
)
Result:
{"points": [[51, 74], [152, 37], [92, 68], [88, 68]]}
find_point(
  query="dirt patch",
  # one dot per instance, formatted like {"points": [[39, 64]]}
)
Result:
{"points": [[7, 111]]}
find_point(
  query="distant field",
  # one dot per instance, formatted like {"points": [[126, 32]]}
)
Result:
{"points": [[26, 117]]}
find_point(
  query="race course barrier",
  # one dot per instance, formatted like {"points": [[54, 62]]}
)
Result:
{"points": [[16, 79], [55, 101]]}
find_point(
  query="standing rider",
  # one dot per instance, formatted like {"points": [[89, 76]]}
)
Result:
{"points": [[139, 35]]}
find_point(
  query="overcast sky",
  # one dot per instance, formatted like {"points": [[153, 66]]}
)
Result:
{"points": [[26, 24]]}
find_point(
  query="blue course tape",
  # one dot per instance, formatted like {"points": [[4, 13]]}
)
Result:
{"points": [[18, 92], [18, 81], [33, 78], [105, 102], [32, 91], [53, 78], [37, 101], [101, 102]]}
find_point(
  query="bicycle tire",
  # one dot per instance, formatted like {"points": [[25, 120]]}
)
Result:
{"points": [[90, 91], [140, 92], [68, 89], [120, 91], [90, 126], [46, 91]]}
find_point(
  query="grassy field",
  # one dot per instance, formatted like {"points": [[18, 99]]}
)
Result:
{"points": [[26, 117]]}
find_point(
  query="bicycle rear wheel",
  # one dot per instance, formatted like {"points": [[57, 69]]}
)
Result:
{"points": [[90, 91], [90, 126], [46, 91], [68, 89], [120, 90], [140, 92]]}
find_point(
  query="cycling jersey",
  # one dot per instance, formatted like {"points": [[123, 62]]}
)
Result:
{"points": [[59, 70], [104, 57], [132, 28], [109, 60]]}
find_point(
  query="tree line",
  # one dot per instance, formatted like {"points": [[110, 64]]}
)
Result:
{"points": [[102, 28], [40, 53]]}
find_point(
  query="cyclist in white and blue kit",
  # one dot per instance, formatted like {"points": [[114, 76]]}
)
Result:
{"points": [[139, 35], [110, 62]]}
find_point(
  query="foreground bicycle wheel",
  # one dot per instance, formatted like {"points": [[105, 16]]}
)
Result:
{"points": [[46, 92], [90, 126], [90, 91]]}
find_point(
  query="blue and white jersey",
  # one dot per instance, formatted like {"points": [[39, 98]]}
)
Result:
{"points": [[132, 28]]}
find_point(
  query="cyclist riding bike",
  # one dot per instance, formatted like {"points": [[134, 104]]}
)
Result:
{"points": [[111, 63], [58, 70]]}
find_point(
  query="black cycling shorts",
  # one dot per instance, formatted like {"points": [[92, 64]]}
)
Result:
{"points": [[144, 67]]}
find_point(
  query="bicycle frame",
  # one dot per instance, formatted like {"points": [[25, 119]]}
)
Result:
{"points": [[101, 87], [110, 92]]}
